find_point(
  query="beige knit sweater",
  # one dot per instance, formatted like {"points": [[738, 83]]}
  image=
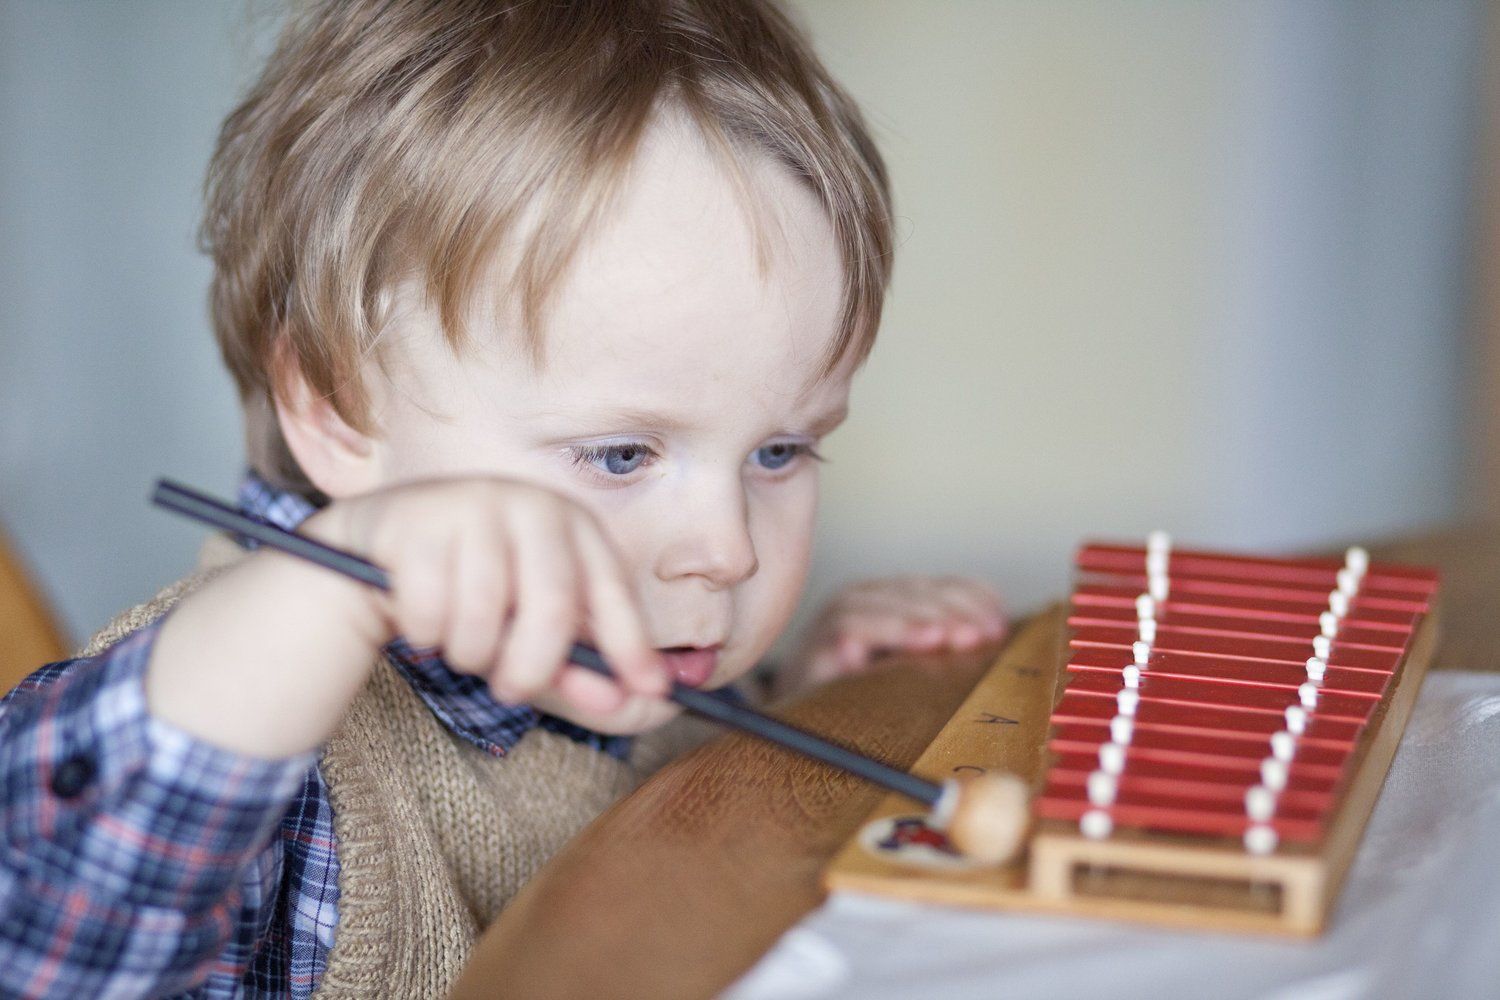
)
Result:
{"points": [[434, 836]]}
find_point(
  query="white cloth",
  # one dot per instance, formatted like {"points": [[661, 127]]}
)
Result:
{"points": [[1418, 917]]}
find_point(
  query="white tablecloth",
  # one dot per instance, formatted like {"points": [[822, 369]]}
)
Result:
{"points": [[1418, 917]]}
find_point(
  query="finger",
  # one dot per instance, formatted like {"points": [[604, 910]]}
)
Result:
{"points": [[894, 595], [587, 692], [908, 605], [892, 620], [862, 633], [614, 615], [949, 611], [419, 591], [546, 609], [823, 665], [978, 603], [480, 603]]}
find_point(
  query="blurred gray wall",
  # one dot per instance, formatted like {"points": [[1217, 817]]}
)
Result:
{"points": [[1191, 265]]}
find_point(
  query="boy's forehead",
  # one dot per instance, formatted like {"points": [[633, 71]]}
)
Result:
{"points": [[668, 292], [666, 306]]}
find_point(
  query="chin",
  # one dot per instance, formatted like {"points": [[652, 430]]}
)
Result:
{"points": [[636, 716]]}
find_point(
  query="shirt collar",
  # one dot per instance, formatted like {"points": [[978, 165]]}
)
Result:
{"points": [[462, 702]]}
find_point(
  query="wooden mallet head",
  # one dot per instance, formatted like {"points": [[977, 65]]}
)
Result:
{"points": [[985, 816]]}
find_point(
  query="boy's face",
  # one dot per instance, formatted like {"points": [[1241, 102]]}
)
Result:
{"points": [[677, 400]]}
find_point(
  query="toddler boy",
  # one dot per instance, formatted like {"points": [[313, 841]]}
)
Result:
{"points": [[545, 309]]}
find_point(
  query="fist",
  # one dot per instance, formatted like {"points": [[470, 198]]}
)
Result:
{"points": [[912, 613], [502, 577]]}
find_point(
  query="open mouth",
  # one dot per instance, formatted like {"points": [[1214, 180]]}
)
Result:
{"points": [[690, 665]]}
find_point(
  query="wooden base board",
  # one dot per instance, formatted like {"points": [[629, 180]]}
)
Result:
{"points": [[1199, 883]]}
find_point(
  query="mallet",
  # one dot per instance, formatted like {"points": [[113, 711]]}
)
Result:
{"points": [[985, 816]]}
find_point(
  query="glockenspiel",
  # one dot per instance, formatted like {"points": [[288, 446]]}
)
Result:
{"points": [[1206, 734]]}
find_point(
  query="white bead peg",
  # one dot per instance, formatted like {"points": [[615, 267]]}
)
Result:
{"points": [[1328, 622], [1112, 757], [1317, 667], [1338, 603], [1283, 745], [1273, 774], [1102, 787], [1148, 630], [1145, 608], [1347, 582], [1127, 700], [1132, 676], [1296, 719], [1158, 541], [1156, 563], [1308, 694], [1357, 561], [1096, 824], [1158, 588], [1322, 646], [1260, 839], [1121, 728], [1260, 803], [1141, 651]]}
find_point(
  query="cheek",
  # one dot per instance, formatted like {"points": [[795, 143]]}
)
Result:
{"points": [[416, 446], [782, 526]]}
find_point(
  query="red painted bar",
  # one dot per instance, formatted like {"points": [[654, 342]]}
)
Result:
{"points": [[1297, 802], [1194, 781], [1245, 770], [1123, 620], [1283, 676], [1303, 610], [1170, 814], [1293, 801], [1240, 590], [1251, 650], [1205, 720], [1101, 557], [1222, 749], [1267, 700]]}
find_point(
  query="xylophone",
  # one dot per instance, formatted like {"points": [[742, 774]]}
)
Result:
{"points": [[1205, 752]]}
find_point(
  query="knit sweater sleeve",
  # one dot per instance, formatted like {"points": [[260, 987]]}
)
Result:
{"points": [[125, 839]]}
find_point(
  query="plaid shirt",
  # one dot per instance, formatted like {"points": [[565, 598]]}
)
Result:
{"points": [[141, 861]]}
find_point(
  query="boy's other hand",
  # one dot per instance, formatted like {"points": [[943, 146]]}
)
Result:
{"points": [[911, 613], [502, 577]]}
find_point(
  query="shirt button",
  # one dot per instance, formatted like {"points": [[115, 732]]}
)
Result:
{"points": [[72, 776]]}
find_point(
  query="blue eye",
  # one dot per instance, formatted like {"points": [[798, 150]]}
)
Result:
{"points": [[615, 459], [777, 456]]}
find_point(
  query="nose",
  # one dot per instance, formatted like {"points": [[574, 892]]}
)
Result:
{"points": [[709, 537]]}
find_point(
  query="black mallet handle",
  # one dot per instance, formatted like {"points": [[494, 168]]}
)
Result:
{"points": [[710, 704]]}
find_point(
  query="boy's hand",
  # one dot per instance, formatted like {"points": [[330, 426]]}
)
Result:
{"points": [[912, 613], [502, 577]]}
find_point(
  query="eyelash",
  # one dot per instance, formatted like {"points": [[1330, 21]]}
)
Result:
{"points": [[584, 457]]}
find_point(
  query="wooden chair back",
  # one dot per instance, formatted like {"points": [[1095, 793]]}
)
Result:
{"points": [[29, 633]]}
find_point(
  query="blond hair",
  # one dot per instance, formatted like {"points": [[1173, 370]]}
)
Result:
{"points": [[386, 138]]}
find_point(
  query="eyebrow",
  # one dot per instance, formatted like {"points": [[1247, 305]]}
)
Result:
{"points": [[828, 421], [652, 420]]}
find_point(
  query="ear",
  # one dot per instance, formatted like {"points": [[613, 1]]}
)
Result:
{"points": [[338, 459]]}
